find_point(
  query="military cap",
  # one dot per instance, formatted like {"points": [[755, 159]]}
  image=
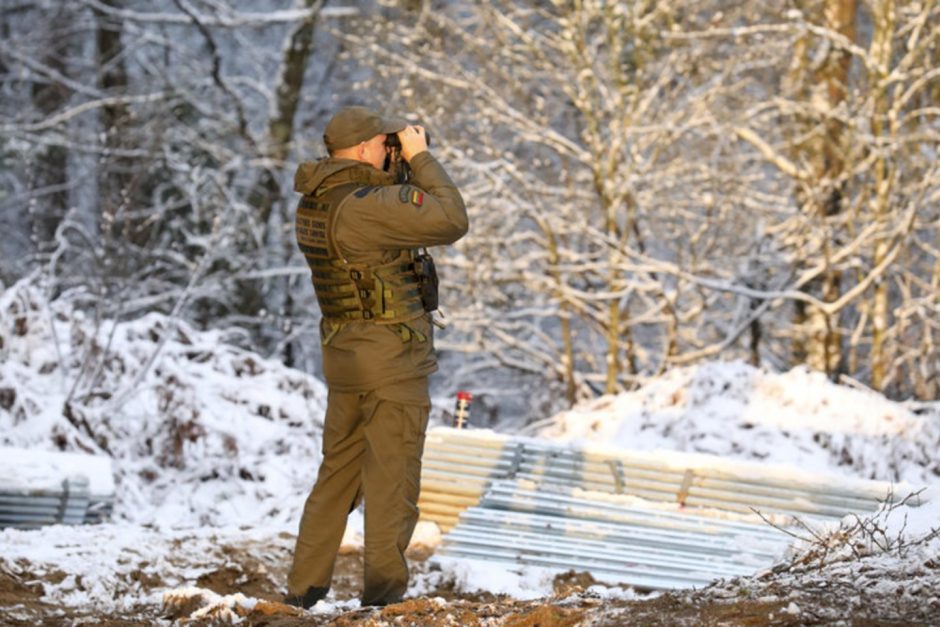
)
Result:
{"points": [[352, 125]]}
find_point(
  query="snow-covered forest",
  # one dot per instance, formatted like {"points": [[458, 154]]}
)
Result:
{"points": [[651, 184], [655, 189]]}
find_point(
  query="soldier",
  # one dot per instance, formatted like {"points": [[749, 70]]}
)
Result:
{"points": [[359, 231]]}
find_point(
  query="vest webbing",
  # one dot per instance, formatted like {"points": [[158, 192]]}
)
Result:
{"points": [[384, 294]]}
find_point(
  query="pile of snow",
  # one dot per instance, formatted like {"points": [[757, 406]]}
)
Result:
{"points": [[740, 412], [200, 432]]}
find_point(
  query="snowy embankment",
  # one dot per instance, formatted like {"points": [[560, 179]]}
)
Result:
{"points": [[214, 447], [201, 433], [210, 445], [740, 412]]}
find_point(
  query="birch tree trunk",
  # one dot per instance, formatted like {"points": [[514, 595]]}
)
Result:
{"points": [[881, 126], [819, 343]]}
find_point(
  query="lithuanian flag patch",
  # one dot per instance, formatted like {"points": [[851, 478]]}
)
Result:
{"points": [[412, 195]]}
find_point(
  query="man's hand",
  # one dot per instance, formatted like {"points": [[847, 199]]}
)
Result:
{"points": [[413, 141]]}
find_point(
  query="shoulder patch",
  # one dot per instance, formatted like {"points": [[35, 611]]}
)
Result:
{"points": [[362, 192], [415, 196]]}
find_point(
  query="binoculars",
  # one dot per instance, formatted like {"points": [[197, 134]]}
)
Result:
{"points": [[394, 164], [393, 143]]}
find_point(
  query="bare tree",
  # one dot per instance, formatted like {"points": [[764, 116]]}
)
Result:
{"points": [[662, 184], [859, 135], [652, 184], [174, 125]]}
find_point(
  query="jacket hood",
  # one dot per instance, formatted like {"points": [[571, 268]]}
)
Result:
{"points": [[311, 175]]}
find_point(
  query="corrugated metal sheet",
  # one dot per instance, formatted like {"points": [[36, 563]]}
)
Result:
{"points": [[517, 525], [458, 465], [40, 487], [654, 520], [27, 508]]}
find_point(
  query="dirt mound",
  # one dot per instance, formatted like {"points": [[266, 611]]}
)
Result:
{"points": [[252, 582], [544, 616], [14, 589], [21, 605], [571, 582], [19, 599]]}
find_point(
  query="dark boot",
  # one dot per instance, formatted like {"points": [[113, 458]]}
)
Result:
{"points": [[309, 598]]}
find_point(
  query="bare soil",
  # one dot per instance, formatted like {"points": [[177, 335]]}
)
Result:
{"points": [[815, 598]]}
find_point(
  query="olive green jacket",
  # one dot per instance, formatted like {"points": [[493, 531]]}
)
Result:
{"points": [[375, 223]]}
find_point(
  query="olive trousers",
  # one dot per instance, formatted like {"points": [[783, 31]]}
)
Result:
{"points": [[372, 447]]}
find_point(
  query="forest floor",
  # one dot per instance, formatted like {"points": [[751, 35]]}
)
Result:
{"points": [[860, 591]]}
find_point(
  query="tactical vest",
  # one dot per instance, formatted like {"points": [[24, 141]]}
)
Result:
{"points": [[384, 294]]}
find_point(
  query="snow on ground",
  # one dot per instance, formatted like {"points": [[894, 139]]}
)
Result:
{"points": [[214, 449], [109, 566], [879, 569]]}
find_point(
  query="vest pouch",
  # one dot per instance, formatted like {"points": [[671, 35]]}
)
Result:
{"points": [[427, 280]]}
